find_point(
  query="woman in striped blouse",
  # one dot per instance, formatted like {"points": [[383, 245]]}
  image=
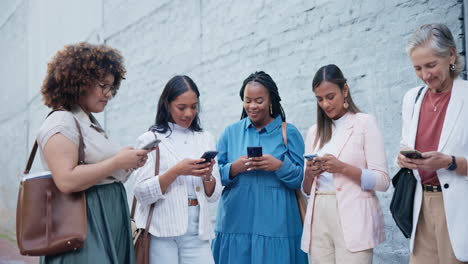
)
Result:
{"points": [[181, 226]]}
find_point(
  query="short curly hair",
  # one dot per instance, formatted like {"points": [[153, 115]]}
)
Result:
{"points": [[77, 67]]}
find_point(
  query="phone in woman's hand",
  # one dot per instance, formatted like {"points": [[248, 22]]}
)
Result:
{"points": [[209, 155], [412, 154], [310, 156], [254, 152], [151, 145]]}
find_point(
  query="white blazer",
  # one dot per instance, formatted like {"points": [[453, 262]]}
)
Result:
{"points": [[170, 215], [453, 141]]}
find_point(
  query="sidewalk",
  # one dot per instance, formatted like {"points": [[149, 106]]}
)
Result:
{"points": [[9, 253]]}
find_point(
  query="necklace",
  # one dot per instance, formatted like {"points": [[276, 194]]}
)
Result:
{"points": [[434, 107]]}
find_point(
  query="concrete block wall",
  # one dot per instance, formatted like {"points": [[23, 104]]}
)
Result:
{"points": [[30, 33], [218, 44]]}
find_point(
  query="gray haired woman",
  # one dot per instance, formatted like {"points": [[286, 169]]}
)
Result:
{"points": [[435, 123]]}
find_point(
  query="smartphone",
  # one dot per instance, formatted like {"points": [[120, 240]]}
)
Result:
{"points": [[151, 145], [412, 154], [310, 156], [209, 155], [254, 152]]}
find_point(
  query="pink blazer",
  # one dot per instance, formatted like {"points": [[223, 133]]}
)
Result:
{"points": [[362, 146]]}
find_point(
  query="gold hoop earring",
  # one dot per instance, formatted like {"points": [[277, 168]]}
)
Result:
{"points": [[452, 67], [271, 109], [345, 104]]}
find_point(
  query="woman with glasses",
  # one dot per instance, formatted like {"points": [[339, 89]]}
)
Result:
{"points": [[80, 81]]}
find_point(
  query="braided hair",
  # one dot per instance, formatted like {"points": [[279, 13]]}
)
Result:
{"points": [[265, 80]]}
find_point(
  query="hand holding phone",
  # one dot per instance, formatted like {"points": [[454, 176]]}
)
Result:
{"points": [[254, 152], [209, 155], [151, 145], [310, 156], [412, 154]]}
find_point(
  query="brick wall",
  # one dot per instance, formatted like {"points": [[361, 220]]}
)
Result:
{"points": [[218, 44]]}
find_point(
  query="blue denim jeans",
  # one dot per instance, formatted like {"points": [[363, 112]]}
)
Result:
{"points": [[185, 249]]}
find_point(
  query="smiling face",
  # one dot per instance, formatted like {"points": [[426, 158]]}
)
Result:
{"points": [[433, 70], [330, 99], [98, 95], [184, 108], [257, 104]]}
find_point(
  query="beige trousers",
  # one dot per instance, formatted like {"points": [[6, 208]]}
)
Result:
{"points": [[432, 244], [327, 239]]}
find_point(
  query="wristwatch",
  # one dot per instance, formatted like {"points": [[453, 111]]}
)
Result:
{"points": [[453, 165]]}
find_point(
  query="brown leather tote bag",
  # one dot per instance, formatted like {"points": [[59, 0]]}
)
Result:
{"points": [[49, 222], [142, 237]]}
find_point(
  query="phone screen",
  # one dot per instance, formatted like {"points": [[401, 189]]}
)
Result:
{"points": [[412, 154], [254, 152], [310, 156], [151, 145], [209, 155]]}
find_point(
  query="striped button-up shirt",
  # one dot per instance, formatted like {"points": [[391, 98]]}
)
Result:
{"points": [[170, 215]]}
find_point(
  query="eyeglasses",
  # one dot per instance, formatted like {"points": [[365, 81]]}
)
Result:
{"points": [[106, 88]]}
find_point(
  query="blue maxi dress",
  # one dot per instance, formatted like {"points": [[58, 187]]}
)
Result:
{"points": [[258, 218]]}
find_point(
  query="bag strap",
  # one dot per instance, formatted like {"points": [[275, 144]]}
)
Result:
{"points": [[32, 154], [416, 99], [299, 197], [419, 94], [285, 134], [132, 211], [150, 214]]}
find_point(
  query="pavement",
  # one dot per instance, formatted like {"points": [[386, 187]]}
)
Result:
{"points": [[9, 253]]}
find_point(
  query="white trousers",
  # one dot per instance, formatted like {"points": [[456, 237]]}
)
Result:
{"points": [[185, 249], [327, 239]]}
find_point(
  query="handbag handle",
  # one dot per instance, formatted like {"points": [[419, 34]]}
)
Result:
{"points": [[150, 214], [284, 133], [32, 154]]}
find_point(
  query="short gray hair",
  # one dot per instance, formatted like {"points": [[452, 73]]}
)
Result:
{"points": [[439, 38]]}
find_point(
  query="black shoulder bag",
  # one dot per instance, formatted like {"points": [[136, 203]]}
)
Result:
{"points": [[401, 205]]}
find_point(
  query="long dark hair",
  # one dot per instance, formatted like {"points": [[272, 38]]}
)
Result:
{"points": [[265, 80], [330, 73], [176, 86]]}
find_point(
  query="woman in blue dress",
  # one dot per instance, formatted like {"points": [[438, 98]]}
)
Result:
{"points": [[258, 218]]}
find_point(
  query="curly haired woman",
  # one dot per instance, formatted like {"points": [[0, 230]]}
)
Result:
{"points": [[80, 80]]}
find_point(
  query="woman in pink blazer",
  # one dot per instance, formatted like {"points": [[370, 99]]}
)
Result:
{"points": [[344, 221]]}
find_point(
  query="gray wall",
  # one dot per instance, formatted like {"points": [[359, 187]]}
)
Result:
{"points": [[217, 43]]}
